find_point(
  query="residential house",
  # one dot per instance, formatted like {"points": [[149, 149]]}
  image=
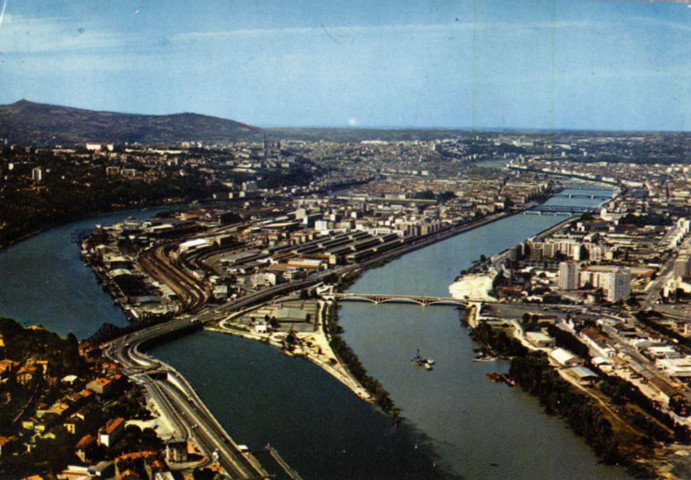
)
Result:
{"points": [[111, 432]]}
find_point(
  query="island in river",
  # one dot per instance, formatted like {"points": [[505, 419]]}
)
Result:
{"points": [[426, 445]]}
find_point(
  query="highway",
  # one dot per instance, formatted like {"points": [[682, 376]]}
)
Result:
{"points": [[176, 399], [210, 438], [178, 402], [174, 396]]}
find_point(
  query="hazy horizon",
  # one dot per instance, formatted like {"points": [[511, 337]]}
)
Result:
{"points": [[375, 127], [482, 65]]}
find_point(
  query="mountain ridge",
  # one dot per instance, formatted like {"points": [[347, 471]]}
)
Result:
{"points": [[31, 123]]}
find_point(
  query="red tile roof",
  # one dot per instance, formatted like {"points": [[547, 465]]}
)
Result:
{"points": [[113, 424]]}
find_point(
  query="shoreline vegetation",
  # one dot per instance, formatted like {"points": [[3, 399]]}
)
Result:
{"points": [[344, 365], [614, 418], [368, 388], [7, 243], [357, 379], [26, 215], [355, 376], [313, 346], [349, 359], [333, 330]]}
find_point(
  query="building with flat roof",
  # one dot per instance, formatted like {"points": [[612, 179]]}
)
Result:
{"points": [[291, 315], [564, 358], [584, 375], [568, 275], [677, 367], [540, 339]]}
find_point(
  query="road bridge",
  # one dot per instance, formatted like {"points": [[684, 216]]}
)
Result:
{"points": [[179, 402], [423, 301], [553, 213], [177, 399], [562, 208], [588, 187], [582, 195]]}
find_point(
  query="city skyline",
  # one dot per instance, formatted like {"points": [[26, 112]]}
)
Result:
{"points": [[540, 65]]}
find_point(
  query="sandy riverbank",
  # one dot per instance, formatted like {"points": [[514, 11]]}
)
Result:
{"points": [[474, 287], [314, 346]]}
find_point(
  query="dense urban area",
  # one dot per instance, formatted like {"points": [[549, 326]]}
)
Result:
{"points": [[260, 239]]}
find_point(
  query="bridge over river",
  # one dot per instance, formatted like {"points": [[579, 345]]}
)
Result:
{"points": [[423, 301], [561, 209], [582, 195]]}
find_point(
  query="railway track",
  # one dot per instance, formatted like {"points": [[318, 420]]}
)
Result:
{"points": [[159, 265]]}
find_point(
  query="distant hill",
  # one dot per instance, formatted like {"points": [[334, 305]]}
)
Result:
{"points": [[29, 123]]}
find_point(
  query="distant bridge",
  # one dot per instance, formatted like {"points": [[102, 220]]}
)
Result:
{"points": [[562, 208], [588, 187], [582, 195], [553, 213], [377, 299]]}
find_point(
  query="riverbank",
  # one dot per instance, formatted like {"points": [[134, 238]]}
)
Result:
{"points": [[318, 346], [314, 346], [101, 213], [477, 285], [621, 431], [323, 345], [582, 178], [293, 395], [474, 287]]}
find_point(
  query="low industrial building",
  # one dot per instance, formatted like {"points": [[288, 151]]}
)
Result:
{"points": [[677, 367], [540, 339], [564, 358], [584, 375]]}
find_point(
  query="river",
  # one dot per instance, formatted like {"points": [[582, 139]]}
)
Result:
{"points": [[43, 282], [477, 428], [461, 423], [456, 424]]}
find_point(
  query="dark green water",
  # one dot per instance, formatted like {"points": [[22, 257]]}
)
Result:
{"points": [[458, 421], [319, 426], [42, 281]]}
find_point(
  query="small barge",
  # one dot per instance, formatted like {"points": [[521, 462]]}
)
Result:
{"points": [[419, 361]]}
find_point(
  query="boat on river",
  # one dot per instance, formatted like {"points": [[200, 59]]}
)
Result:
{"points": [[419, 361], [483, 355], [485, 358], [500, 377]]}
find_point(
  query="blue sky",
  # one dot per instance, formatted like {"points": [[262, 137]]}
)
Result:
{"points": [[422, 63]]}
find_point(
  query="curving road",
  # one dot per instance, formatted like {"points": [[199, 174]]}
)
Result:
{"points": [[176, 399], [178, 402]]}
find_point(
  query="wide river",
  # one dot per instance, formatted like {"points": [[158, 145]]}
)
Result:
{"points": [[43, 281], [456, 423]]}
